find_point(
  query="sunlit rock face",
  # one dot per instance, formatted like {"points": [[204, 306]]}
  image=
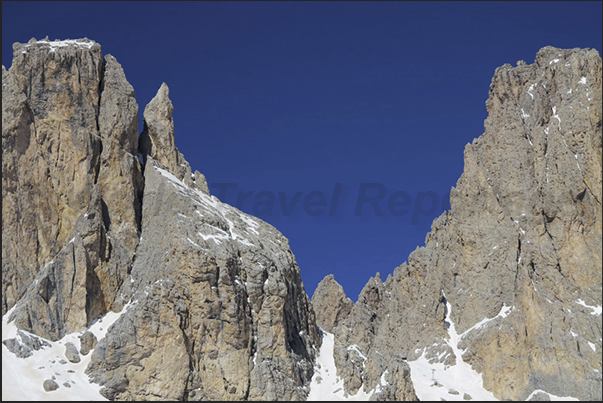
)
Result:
{"points": [[505, 294], [71, 184], [518, 255], [329, 298], [95, 220]]}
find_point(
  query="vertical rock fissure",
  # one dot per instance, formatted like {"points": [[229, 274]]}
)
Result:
{"points": [[97, 163], [71, 291]]}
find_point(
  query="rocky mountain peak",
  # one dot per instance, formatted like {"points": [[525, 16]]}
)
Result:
{"points": [[216, 292], [515, 260], [204, 302], [69, 126], [330, 303], [157, 139]]}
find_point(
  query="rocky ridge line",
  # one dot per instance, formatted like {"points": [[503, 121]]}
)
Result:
{"points": [[515, 264], [211, 300]]}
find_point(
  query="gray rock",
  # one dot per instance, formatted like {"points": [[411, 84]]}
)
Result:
{"points": [[50, 385], [330, 303], [41, 154], [87, 342], [467, 396], [119, 175], [540, 397], [157, 138], [221, 281], [66, 384], [23, 344], [68, 293], [17, 348], [200, 182], [31, 341], [71, 353]]}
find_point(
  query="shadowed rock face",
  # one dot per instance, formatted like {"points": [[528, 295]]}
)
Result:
{"points": [[215, 307], [523, 232]]}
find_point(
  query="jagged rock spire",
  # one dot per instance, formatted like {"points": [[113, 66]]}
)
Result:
{"points": [[518, 256], [216, 309], [158, 142], [330, 303]]}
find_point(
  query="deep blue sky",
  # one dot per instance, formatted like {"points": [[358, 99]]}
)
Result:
{"points": [[299, 96]]}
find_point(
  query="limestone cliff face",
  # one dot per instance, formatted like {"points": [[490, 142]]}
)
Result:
{"points": [[217, 293], [330, 299], [98, 219], [212, 300], [71, 183], [521, 246]]}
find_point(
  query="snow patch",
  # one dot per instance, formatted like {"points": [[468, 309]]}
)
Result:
{"points": [[596, 309], [504, 312], [326, 385], [432, 381], [555, 115], [382, 382], [530, 90], [523, 114], [22, 378], [355, 348], [61, 44], [215, 238], [251, 224], [193, 242]]}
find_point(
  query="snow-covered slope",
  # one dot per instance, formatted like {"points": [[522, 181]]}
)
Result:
{"points": [[437, 381], [326, 385], [22, 378]]}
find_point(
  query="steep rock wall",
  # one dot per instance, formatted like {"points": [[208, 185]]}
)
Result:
{"points": [[517, 257], [69, 140], [213, 307]]}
